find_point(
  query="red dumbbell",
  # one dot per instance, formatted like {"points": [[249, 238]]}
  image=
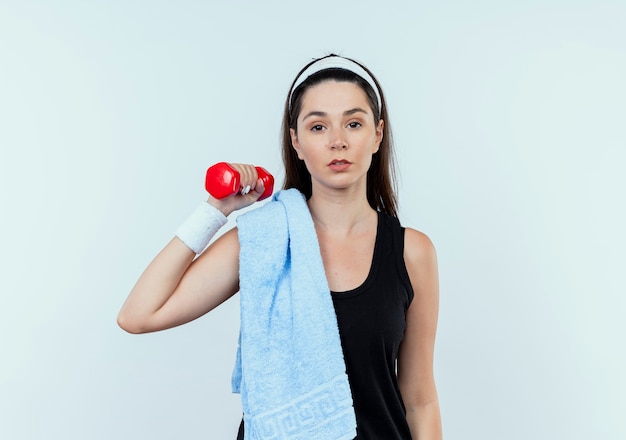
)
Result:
{"points": [[222, 181]]}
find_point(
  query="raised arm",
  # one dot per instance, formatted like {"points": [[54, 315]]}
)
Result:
{"points": [[177, 287], [415, 361]]}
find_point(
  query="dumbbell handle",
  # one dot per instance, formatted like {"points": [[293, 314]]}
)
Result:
{"points": [[222, 181]]}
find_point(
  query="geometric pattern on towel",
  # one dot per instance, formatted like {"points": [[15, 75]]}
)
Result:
{"points": [[293, 421]]}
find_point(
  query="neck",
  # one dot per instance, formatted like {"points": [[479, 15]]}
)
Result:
{"points": [[339, 212]]}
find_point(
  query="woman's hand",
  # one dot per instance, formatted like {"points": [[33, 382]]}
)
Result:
{"points": [[252, 188]]}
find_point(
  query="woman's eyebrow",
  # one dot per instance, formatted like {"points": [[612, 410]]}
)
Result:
{"points": [[315, 113], [324, 114], [353, 111]]}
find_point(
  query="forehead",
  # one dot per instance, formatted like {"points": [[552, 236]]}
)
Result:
{"points": [[332, 94]]}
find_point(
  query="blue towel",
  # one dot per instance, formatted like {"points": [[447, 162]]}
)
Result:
{"points": [[290, 369]]}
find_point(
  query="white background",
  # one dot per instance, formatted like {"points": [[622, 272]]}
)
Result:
{"points": [[509, 125]]}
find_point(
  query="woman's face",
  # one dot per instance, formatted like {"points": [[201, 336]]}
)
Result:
{"points": [[336, 135]]}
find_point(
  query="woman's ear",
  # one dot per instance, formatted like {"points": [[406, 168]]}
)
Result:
{"points": [[379, 134], [294, 142]]}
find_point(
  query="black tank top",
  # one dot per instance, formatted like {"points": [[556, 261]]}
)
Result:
{"points": [[372, 320]]}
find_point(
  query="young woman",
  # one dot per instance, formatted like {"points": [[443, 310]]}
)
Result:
{"points": [[382, 278]]}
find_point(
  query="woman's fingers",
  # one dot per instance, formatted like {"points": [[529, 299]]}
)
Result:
{"points": [[248, 177]]}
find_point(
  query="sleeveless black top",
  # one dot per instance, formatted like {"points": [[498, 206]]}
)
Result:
{"points": [[372, 320]]}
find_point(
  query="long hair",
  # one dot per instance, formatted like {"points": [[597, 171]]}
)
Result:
{"points": [[381, 176]]}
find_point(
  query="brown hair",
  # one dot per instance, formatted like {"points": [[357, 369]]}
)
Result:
{"points": [[381, 176]]}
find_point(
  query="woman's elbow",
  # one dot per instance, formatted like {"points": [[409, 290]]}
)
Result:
{"points": [[130, 324]]}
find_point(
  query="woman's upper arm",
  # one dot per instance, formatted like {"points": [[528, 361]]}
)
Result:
{"points": [[210, 280], [415, 361]]}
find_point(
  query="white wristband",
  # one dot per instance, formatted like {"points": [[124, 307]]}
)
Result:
{"points": [[201, 226]]}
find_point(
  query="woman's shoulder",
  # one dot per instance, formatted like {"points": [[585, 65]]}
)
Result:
{"points": [[418, 247], [420, 259]]}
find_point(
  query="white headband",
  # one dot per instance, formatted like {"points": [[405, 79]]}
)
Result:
{"points": [[335, 62]]}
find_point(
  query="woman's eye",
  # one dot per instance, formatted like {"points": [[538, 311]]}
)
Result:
{"points": [[354, 124], [317, 127]]}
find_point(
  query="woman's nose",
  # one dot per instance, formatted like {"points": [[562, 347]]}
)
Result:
{"points": [[337, 141]]}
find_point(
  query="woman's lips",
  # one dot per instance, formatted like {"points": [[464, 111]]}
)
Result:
{"points": [[339, 165]]}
